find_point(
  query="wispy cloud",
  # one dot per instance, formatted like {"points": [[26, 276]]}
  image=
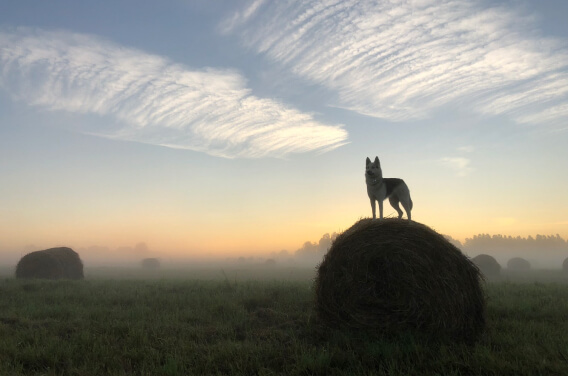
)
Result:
{"points": [[466, 149], [402, 59], [153, 100], [459, 164]]}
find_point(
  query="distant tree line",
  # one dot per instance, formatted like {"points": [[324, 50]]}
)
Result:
{"points": [[314, 252], [503, 242]]}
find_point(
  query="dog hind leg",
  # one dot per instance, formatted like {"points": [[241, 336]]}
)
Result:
{"points": [[394, 203], [407, 205]]}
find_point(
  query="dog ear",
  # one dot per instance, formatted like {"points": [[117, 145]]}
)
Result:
{"points": [[368, 161], [377, 161]]}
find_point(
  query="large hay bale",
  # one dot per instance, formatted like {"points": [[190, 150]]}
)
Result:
{"points": [[518, 264], [39, 264], [151, 263], [70, 260], [391, 276], [487, 264], [53, 263]]}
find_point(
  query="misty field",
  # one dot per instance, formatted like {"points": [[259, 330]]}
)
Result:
{"points": [[256, 321]]}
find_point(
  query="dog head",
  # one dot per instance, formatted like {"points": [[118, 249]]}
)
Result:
{"points": [[373, 169]]}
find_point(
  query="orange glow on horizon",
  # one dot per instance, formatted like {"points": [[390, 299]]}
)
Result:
{"points": [[175, 239]]}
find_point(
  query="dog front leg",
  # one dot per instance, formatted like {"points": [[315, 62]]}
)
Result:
{"points": [[373, 207], [380, 209]]}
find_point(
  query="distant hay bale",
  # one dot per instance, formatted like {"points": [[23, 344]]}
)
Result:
{"points": [[390, 276], [53, 263], [518, 264], [565, 265], [487, 264], [151, 263]]}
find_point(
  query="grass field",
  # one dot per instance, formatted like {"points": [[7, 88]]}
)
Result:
{"points": [[255, 321]]}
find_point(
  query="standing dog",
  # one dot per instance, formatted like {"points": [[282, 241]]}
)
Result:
{"points": [[379, 188]]}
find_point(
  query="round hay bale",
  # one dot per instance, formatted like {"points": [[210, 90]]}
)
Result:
{"points": [[487, 264], [391, 276], [518, 264], [70, 261], [565, 265], [151, 263], [39, 264], [270, 262]]}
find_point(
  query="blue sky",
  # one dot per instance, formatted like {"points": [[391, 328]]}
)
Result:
{"points": [[241, 127]]}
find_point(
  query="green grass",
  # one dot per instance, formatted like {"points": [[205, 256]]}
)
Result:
{"points": [[228, 325]]}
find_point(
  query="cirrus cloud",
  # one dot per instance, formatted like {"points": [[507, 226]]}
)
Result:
{"points": [[459, 164], [401, 60], [153, 100]]}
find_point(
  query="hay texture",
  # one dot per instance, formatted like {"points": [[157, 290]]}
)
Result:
{"points": [[488, 266], [39, 265], [518, 264], [391, 276], [53, 263]]}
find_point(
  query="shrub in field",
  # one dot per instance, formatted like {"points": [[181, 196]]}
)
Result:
{"points": [[392, 276], [518, 264], [151, 263], [487, 264], [53, 263]]}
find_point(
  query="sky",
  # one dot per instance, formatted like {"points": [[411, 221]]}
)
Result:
{"points": [[213, 128]]}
